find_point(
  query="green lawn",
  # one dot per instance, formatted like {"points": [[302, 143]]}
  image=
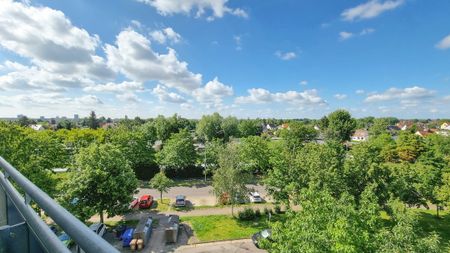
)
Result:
{"points": [[428, 222], [224, 227]]}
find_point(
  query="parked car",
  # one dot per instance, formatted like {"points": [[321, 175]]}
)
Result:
{"points": [[145, 201], [133, 203], [255, 197], [180, 201], [127, 236], [65, 239], [99, 229], [264, 234]]}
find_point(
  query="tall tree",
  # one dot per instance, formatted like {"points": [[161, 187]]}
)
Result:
{"points": [[409, 146], [379, 127], [230, 179], [298, 134], [230, 127], [178, 152], [248, 127], [161, 183], [92, 121], [103, 181], [209, 156], [340, 126], [210, 127], [255, 153]]}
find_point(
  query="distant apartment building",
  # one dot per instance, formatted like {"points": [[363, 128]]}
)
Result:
{"points": [[37, 127], [76, 117]]}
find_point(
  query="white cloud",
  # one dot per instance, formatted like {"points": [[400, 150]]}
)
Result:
{"points": [[21, 77], [259, 96], [359, 92], [286, 55], [340, 96], [370, 9], [218, 8], [126, 86], [304, 82], [213, 93], [51, 99], [134, 57], [48, 38], [166, 96], [128, 97], [166, 35], [406, 96], [444, 43], [345, 35], [238, 41]]}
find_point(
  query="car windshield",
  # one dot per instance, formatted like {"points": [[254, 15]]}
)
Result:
{"points": [[265, 233]]}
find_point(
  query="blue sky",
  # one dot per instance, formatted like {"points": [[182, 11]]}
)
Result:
{"points": [[248, 58]]}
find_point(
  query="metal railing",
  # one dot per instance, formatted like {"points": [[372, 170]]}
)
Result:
{"points": [[22, 230]]}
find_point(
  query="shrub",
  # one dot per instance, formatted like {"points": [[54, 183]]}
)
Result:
{"points": [[246, 214], [257, 213], [277, 209], [267, 211]]}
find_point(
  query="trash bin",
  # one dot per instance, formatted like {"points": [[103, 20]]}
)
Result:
{"points": [[171, 232], [143, 230]]}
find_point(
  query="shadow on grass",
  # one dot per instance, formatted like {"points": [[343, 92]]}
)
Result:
{"points": [[429, 222]]}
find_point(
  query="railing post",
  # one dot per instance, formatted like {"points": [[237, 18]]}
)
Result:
{"points": [[3, 208]]}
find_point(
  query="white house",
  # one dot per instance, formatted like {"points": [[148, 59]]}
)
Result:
{"points": [[445, 126], [37, 127], [360, 135]]}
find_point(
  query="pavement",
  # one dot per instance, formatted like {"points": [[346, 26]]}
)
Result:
{"points": [[198, 194], [236, 246]]}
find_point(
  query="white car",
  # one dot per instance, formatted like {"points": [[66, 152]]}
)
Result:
{"points": [[255, 197]]}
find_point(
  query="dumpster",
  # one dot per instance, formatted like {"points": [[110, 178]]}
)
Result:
{"points": [[171, 232], [143, 230], [127, 236]]}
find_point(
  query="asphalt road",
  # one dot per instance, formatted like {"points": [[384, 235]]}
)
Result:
{"points": [[199, 195], [238, 246]]}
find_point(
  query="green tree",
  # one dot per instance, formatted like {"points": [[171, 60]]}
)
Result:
{"points": [[103, 181], [248, 127], [340, 126], [178, 152], [326, 224], [230, 179], [161, 183], [230, 127], [255, 153], [92, 121], [379, 127], [409, 146], [210, 127], [298, 134], [209, 157]]}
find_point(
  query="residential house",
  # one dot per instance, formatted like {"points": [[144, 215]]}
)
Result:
{"points": [[403, 125], [360, 135], [37, 127], [445, 126], [268, 128], [423, 133]]}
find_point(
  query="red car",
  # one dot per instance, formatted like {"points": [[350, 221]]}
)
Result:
{"points": [[145, 201]]}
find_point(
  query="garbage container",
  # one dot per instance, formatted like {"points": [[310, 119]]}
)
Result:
{"points": [[171, 232]]}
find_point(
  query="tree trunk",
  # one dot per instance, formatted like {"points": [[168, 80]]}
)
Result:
{"points": [[232, 205], [161, 196], [101, 217], [437, 210]]}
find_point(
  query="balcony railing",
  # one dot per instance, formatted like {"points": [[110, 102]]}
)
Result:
{"points": [[21, 228]]}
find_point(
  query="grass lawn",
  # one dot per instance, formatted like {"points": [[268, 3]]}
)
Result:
{"points": [[428, 222], [224, 227]]}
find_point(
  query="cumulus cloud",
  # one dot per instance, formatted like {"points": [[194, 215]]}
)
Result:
{"points": [[340, 96], [128, 97], [126, 86], [359, 92], [166, 35], [165, 96], [51, 99], [133, 56], [21, 77], [406, 96], [48, 38], [218, 8], [213, 93], [304, 82], [444, 43], [259, 96], [370, 9], [286, 56]]}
